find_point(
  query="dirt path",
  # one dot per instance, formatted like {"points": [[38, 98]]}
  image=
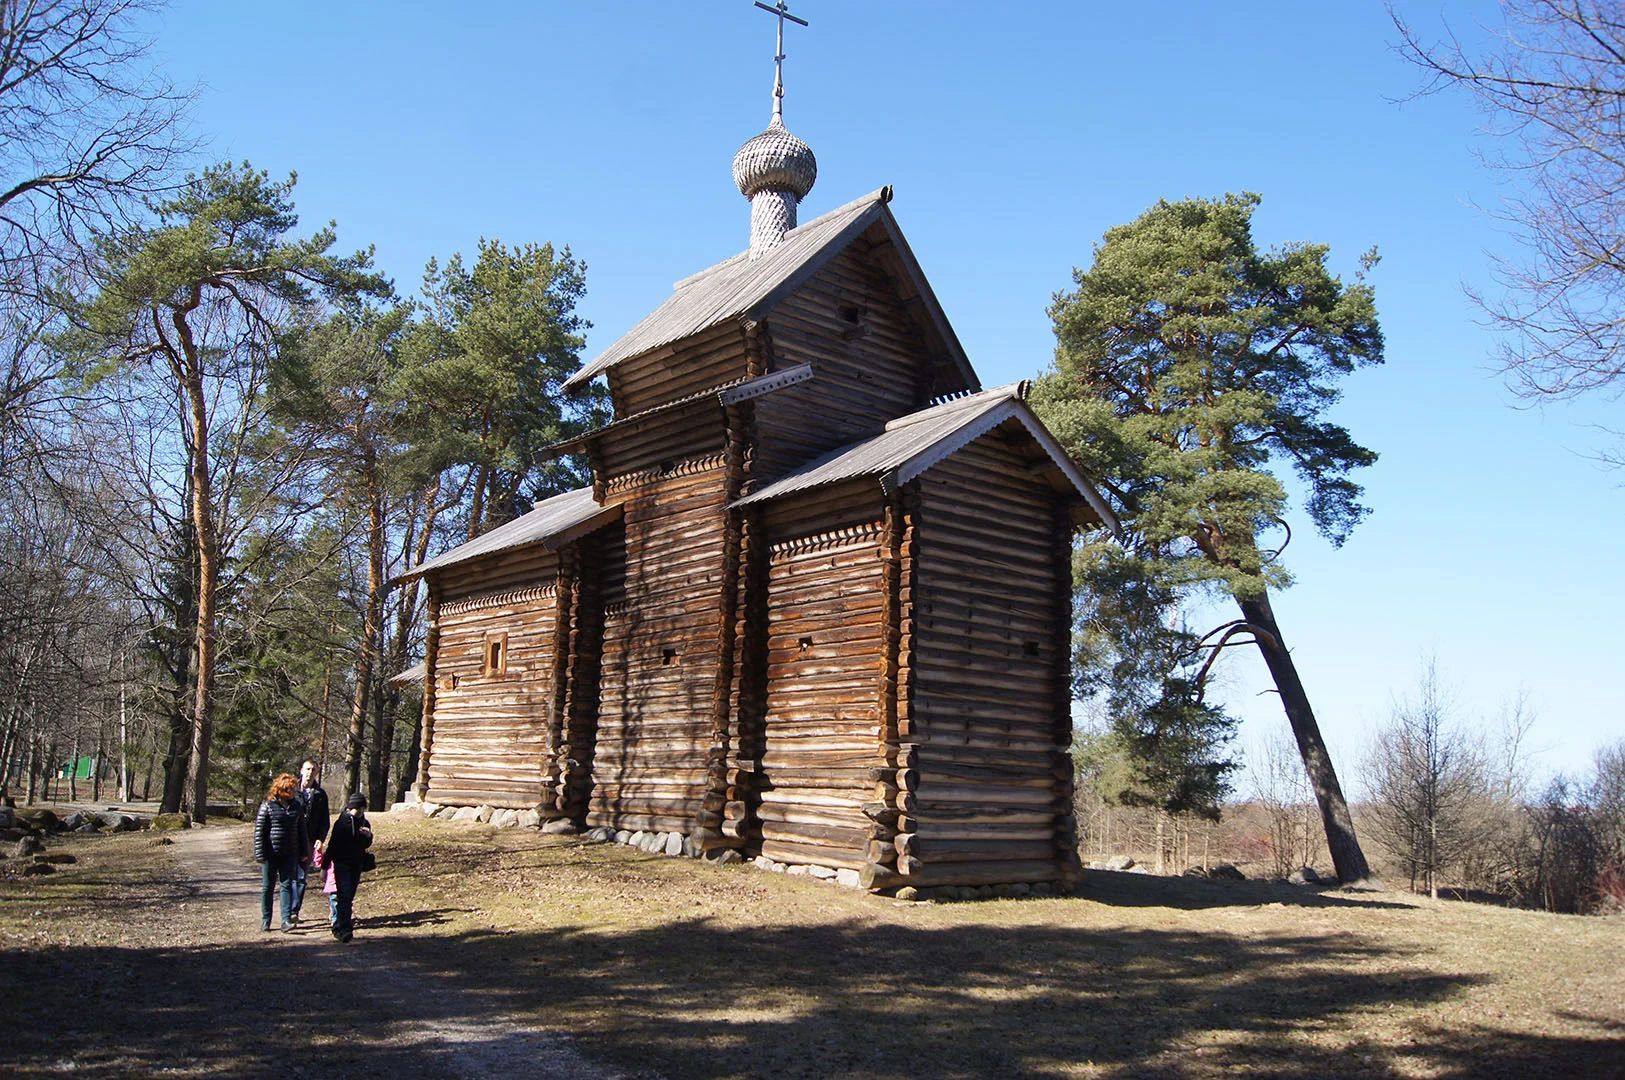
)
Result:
{"points": [[419, 1015]]}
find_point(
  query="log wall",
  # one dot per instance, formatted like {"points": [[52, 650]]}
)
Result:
{"points": [[660, 440], [710, 359], [661, 595], [825, 616], [991, 792], [869, 357], [490, 739]]}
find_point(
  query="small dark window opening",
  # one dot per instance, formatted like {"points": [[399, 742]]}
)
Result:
{"points": [[668, 657], [1030, 648], [806, 643], [496, 653], [855, 326], [667, 468]]}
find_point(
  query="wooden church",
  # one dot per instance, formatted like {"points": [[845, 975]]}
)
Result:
{"points": [[815, 605]]}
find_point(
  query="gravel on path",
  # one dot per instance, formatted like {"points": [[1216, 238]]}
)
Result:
{"points": [[423, 1016]]}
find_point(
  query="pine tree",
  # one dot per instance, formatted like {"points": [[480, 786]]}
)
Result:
{"points": [[1188, 365]]}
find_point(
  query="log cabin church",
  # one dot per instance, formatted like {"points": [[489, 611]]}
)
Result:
{"points": [[815, 605]]}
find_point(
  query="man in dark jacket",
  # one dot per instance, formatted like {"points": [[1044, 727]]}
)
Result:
{"points": [[351, 835], [314, 801], [280, 843]]}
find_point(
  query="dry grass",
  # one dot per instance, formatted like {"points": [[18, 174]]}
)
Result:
{"points": [[666, 966]]}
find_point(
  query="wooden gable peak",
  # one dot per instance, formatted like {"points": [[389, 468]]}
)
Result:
{"points": [[746, 291], [912, 444]]}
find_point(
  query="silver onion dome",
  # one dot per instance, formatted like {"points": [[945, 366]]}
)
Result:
{"points": [[775, 160]]}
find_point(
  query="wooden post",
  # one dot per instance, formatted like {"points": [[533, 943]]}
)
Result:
{"points": [[735, 459], [893, 813], [584, 653], [887, 844], [431, 647], [1066, 831], [558, 702]]}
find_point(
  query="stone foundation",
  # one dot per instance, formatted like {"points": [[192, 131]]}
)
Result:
{"points": [[675, 844]]}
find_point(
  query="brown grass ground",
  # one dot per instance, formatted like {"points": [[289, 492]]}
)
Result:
{"points": [[666, 967]]}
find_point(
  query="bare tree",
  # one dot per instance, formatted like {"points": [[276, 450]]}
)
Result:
{"points": [[1607, 799], [1425, 774], [1551, 79], [1282, 789], [87, 127]]}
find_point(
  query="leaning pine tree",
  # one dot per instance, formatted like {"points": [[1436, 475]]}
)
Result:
{"points": [[1188, 365]]}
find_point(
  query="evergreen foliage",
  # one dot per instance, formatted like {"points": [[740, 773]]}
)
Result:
{"points": [[492, 346], [1189, 365], [198, 299]]}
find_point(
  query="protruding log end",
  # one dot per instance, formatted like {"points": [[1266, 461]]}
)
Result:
{"points": [[712, 839], [874, 877]]}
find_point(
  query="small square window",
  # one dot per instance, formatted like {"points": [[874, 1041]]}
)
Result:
{"points": [[668, 657], [496, 652], [1030, 648]]}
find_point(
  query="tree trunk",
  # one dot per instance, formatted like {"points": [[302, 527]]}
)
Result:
{"points": [[418, 549], [175, 760], [371, 630], [178, 659], [124, 775], [327, 697], [1347, 858], [384, 739], [96, 769], [1433, 855], [152, 760], [476, 511], [409, 772], [34, 768], [208, 577], [9, 743]]}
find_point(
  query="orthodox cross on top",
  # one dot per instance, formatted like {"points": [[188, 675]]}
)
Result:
{"points": [[782, 10]]}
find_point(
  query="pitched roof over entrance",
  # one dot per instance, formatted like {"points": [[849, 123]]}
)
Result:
{"points": [[912, 444], [554, 522], [747, 290]]}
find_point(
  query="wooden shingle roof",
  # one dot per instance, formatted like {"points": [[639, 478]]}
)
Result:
{"points": [[912, 444], [747, 290], [553, 522]]}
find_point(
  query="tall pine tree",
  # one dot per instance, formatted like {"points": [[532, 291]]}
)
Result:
{"points": [[1189, 365]]}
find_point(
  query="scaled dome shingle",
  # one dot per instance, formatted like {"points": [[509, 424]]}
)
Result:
{"points": [[775, 160]]}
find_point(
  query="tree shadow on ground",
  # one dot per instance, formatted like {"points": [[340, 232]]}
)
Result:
{"points": [[691, 999], [1126, 889]]}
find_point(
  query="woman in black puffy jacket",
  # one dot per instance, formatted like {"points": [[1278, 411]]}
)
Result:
{"points": [[280, 842]]}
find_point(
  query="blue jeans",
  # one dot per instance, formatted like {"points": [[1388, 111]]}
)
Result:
{"points": [[341, 905], [299, 889], [277, 868]]}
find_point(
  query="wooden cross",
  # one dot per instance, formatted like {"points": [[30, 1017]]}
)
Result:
{"points": [[782, 10]]}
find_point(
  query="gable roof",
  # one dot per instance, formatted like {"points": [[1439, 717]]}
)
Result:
{"points": [[912, 444], [747, 290], [553, 522]]}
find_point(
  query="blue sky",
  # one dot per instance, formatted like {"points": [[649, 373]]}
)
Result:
{"points": [[1014, 135]]}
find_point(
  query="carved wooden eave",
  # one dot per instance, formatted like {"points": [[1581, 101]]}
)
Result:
{"points": [[765, 384]]}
